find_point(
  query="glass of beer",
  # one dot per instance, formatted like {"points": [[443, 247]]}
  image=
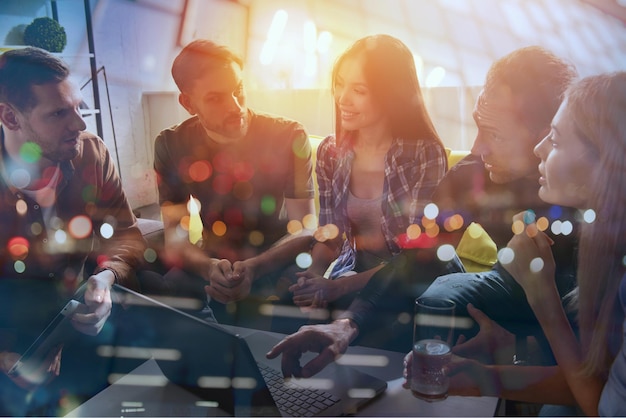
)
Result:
{"points": [[432, 339]]}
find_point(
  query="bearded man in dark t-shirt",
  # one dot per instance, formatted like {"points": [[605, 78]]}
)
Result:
{"points": [[249, 174]]}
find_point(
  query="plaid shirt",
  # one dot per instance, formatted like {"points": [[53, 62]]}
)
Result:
{"points": [[412, 171]]}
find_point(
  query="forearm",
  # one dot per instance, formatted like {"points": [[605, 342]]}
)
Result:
{"points": [[350, 329], [283, 253], [123, 254], [567, 352], [355, 282], [537, 384], [187, 255], [322, 255]]}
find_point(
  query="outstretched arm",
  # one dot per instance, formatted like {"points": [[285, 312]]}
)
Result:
{"points": [[328, 340], [316, 291]]}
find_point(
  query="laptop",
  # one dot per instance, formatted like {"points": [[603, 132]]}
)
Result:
{"points": [[163, 361]]}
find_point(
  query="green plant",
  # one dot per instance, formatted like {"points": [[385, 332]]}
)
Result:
{"points": [[45, 33]]}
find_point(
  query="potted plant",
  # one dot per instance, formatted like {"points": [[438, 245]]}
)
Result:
{"points": [[45, 33]]}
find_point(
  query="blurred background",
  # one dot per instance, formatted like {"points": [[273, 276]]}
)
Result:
{"points": [[121, 53]]}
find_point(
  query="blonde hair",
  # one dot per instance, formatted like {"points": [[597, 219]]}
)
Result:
{"points": [[598, 105]]}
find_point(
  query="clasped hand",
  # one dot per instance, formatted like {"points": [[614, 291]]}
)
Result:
{"points": [[313, 291], [229, 282]]}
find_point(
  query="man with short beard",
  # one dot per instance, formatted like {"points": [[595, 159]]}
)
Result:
{"points": [[250, 173]]}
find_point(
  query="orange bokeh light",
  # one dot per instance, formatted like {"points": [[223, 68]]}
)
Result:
{"points": [[18, 247], [200, 171]]}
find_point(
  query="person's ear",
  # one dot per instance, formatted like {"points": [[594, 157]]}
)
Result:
{"points": [[8, 117], [185, 101]]}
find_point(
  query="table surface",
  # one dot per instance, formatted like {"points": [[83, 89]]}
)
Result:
{"points": [[395, 401]]}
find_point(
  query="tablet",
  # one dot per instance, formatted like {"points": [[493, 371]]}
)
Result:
{"points": [[58, 331]]}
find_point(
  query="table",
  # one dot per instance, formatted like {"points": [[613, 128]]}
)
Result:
{"points": [[399, 402], [396, 401]]}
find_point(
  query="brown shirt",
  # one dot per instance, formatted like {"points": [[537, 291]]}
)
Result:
{"points": [[92, 213]]}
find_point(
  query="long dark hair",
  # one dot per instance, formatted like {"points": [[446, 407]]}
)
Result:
{"points": [[389, 69]]}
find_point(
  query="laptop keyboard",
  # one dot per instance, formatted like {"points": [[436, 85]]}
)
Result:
{"points": [[293, 400]]}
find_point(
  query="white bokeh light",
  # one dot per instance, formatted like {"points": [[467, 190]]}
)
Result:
{"points": [[446, 252], [536, 264], [506, 255], [304, 260], [60, 236], [566, 227], [431, 211], [20, 178], [589, 216], [106, 230]]}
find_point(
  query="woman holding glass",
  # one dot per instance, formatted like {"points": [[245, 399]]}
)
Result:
{"points": [[375, 174]]}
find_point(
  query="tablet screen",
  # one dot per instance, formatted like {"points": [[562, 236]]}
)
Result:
{"points": [[58, 331]]}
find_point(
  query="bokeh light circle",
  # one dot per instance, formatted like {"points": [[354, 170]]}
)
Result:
{"points": [[446, 252], [304, 260], [506, 255], [80, 227]]}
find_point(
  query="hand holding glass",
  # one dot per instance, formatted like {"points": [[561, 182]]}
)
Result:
{"points": [[432, 339]]}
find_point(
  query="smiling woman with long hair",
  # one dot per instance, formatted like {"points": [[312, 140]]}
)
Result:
{"points": [[375, 174]]}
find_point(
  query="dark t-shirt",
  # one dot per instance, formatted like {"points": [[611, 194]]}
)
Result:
{"points": [[240, 186]]}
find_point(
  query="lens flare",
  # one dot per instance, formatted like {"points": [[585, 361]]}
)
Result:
{"points": [[446, 252], [518, 227], [19, 266], [310, 221], [567, 228], [326, 232], [536, 264], [413, 231], [106, 230], [219, 228], [21, 207], [294, 227], [199, 171], [18, 247], [589, 216], [30, 152], [304, 260], [268, 205], [256, 238], [80, 227], [60, 236], [20, 178], [506, 255], [150, 255], [543, 223], [431, 211]]}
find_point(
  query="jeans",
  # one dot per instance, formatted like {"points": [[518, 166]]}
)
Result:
{"points": [[499, 296]]}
